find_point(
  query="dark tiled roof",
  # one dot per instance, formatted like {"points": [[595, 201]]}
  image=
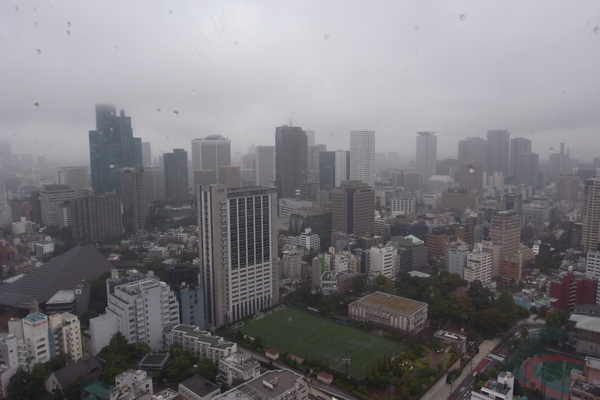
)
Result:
{"points": [[199, 385], [64, 272], [89, 367]]}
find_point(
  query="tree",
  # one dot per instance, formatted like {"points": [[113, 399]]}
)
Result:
{"points": [[492, 321], [481, 296], [38, 374], [557, 319], [359, 285], [181, 369], [507, 305], [20, 386], [524, 333], [543, 310], [207, 369]]}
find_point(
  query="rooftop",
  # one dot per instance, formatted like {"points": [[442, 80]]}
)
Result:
{"points": [[392, 302]]}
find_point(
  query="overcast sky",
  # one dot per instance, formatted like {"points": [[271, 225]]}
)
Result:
{"points": [[186, 69]]}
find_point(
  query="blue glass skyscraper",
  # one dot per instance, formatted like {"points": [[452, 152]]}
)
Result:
{"points": [[112, 148]]}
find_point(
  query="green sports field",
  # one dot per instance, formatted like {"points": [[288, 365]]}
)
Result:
{"points": [[312, 337]]}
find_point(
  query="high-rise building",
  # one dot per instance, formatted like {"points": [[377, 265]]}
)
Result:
{"points": [[135, 206], [264, 165], [205, 177], [472, 150], [66, 330], [568, 188], [528, 171], [154, 183], [74, 176], [353, 209], [559, 164], [238, 251], [35, 332], [112, 148], [184, 282], [498, 146], [590, 236], [518, 146], [362, 156], [230, 175], [146, 154], [176, 176], [51, 198], [291, 162], [479, 266], [95, 217], [426, 158], [150, 303], [212, 152], [310, 138], [5, 154], [334, 167], [506, 232]]}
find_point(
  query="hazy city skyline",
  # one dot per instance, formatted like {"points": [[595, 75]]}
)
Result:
{"points": [[185, 71]]}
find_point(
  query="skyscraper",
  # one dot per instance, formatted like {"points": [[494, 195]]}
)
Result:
{"points": [[112, 148], [426, 158], [362, 156], [498, 146], [590, 236], [334, 167], [472, 150], [95, 217], [527, 171], [135, 207], [212, 152], [237, 232], [353, 208], [506, 232], [291, 162], [146, 154], [176, 176], [74, 176], [518, 146], [264, 165]]}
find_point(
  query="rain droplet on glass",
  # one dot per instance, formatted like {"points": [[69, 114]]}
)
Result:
{"points": [[462, 17], [68, 33], [176, 113], [326, 36], [416, 27], [235, 43], [111, 165], [471, 169], [597, 29], [36, 105], [158, 110], [39, 52], [68, 24]]}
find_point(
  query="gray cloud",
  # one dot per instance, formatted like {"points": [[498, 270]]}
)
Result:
{"points": [[241, 68]]}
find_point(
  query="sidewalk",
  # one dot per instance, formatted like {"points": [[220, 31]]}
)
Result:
{"points": [[441, 390]]}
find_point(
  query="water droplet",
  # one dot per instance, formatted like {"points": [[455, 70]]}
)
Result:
{"points": [[170, 11], [471, 169], [176, 113], [116, 47], [167, 137], [416, 27], [290, 318], [462, 17], [68, 24], [36, 105], [235, 43], [313, 291], [597, 29], [39, 52], [111, 165], [36, 24], [326, 36], [193, 92], [16, 8], [158, 110], [68, 33]]}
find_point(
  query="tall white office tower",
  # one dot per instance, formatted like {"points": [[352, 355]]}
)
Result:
{"points": [[362, 156], [237, 232], [590, 235], [426, 158], [74, 176], [264, 165]]}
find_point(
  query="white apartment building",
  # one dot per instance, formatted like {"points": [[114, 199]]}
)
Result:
{"points": [[362, 157], [201, 343], [67, 335], [479, 266], [144, 309], [22, 226], [238, 366], [403, 205], [74, 176], [132, 385], [383, 260], [12, 357], [34, 331], [310, 240], [592, 268]]}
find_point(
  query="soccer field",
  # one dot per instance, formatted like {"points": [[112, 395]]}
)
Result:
{"points": [[312, 337]]}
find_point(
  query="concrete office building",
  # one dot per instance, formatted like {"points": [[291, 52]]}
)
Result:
{"points": [[472, 150], [362, 156], [230, 175], [590, 236], [498, 156], [426, 157], [479, 266], [353, 209], [146, 154], [506, 232], [95, 217], [528, 169], [133, 196], [154, 183], [51, 198], [176, 176], [264, 165], [291, 162], [383, 261], [34, 330], [75, 176], [112, 148], [212, 152], [334, 167], [518, 146], [67, 335], [238, 251]]}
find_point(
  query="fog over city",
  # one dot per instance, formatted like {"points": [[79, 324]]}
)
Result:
{"points": [[184, 70]]}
